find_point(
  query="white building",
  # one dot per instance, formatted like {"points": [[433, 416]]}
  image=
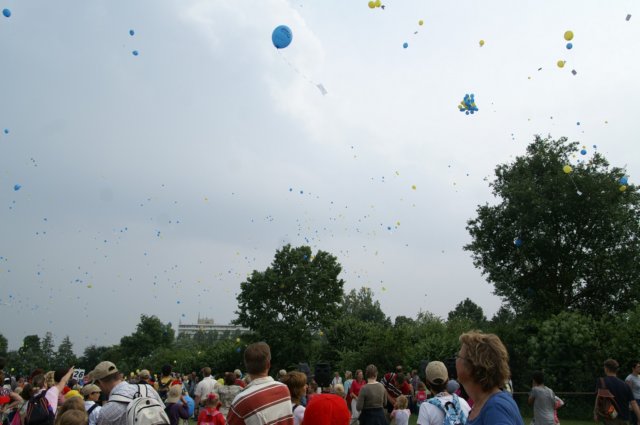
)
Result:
{"points": [[207, 325]]}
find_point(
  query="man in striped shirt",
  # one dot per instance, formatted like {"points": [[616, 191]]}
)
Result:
{"points": [[264, 400]]}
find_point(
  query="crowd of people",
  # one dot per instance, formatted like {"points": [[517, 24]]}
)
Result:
{"points": [[480, 395]]}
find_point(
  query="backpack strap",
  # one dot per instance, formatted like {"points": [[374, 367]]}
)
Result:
{"points": [[604, 386], [92, 408], [295, 406]]}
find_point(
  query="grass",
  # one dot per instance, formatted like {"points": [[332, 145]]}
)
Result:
{"points": [[527, 421]]}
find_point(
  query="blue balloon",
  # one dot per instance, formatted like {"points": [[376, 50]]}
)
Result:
{"points": [[518, 242], [131, 32], [405, 45], [569, 46], [17, 187], [583, 152], [135, 53], [624, 180], [281, 36], [6, 13], [6, 131]]}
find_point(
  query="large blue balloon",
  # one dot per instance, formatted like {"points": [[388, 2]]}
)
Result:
{"points": [[281, 36], [6, 13]]}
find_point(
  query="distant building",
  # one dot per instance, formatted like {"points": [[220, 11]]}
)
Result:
{"points": [[207, 326]]}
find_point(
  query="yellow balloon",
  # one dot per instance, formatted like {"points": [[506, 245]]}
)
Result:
{"points": [[481, 43], [567, 169], [568, 35], [420, 22], [372, 4], [561, 64], [623, 188], [378, 3]]}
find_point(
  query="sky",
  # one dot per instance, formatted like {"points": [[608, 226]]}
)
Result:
{"points": [[154, 183]]}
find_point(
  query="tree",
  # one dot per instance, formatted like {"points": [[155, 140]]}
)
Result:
{"points": [[92, 356], [65, 356], [150, 333], [560, 239], [30, 354], [4, 345], [48, 352], [469, 311], [360, 305], [292, 300]]}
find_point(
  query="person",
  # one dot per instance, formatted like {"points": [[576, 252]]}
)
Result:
{"points": [[336, 380], [432, 412], [107, 377], [210, 414], [354, 391], [263, 400], [91, 394], [543, 401], [633, 381], [372, 400], [297, 384], [176, 406], [622, 394], [239, 380], [401, 412], [57, 381], [482, 365], [144, 376], [228, 392], [421, 394], [73, 403], [73, 417], [206, 386], [348, 379], [327, 409], [164, 383]]}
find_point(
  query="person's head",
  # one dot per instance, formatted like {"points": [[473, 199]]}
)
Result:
{"points": [[483, 361], [166, 370], [71, 404], [73, 393], [437, 376], [281, 374], [338, 389], [422, 386], [91, 392], [359, 375], [414, 372], [348, 375], [174, 395], [73, 417], [257, 358], [38, 381], [400, 378], [399, 369], [212, 400], [206, 371], [238, 373], [144, 375], [538, 377], [611, 366], [452, 386], [371, 372], [312, 387], [336, 374], [402, 402], [49, 380], [297, 384], [327, 409], [229, 378], [59, 374], [106, 376]]}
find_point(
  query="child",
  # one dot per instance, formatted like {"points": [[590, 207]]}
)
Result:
{"points": [[210, 414], [400, 412], [421, 394]]}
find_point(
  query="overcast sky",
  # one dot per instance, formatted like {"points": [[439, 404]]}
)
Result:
{"points": [[155, 183]]}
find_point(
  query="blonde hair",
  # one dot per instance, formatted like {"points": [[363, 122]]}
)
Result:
{"points": [[295, 381], [48, 379], [69, 405], [73, 417], [488, 358], [339, 390], [402, 402]]}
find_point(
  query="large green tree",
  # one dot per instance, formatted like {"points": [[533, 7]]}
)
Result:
{"points": [[291, 301], [4, 345], [65, 357], [361, 305], [48, 351], [469, 311], [150, 333], [558, 238]]}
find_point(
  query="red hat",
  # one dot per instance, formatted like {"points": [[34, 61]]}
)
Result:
{"points": [[327, 409]]}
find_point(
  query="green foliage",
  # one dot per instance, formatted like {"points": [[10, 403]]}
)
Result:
{"points": [[580, 239], [92, 356], [65, 357], [567, 350], [469, 311], [361, 305], [291, 301], [30, 354], [150, 334], [4, 345], [48, 351]]}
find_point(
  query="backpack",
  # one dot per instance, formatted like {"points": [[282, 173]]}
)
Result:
{"points": [[453, 414], [39, 412], [142, 409], [606, 406]]}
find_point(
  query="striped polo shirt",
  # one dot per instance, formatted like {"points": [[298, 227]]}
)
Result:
{"points": [[263, 402]]}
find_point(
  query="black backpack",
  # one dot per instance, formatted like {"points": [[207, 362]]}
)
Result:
{"points": [[39, 412]]}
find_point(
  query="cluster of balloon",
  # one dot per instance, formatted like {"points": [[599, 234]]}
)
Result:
{"points": [[6, 13], [568, 36], [468, 104], [420, 23], [624, 180], [281, 36], [517, 242], [375, 3]]}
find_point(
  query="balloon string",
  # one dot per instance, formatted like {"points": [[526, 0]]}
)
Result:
{"points": [[304, 76]]}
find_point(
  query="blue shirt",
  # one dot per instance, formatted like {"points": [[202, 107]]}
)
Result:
{"points": [[499, 409]]}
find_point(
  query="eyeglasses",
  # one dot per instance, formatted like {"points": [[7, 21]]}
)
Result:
{"points": [[95, 392], [458, 356]]}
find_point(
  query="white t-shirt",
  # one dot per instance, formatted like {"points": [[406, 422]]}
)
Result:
{"points": [[207, 386], [634, 382], [401, 416], [432, 415], [298, 414]]}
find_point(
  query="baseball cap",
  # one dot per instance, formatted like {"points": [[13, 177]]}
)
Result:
{"points": [[436, 372], [144, 374], [91, 388], [103, 369]]}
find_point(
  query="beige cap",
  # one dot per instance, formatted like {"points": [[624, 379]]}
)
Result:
{"points": [[436, 372], [91, 388], [103, 369]]}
